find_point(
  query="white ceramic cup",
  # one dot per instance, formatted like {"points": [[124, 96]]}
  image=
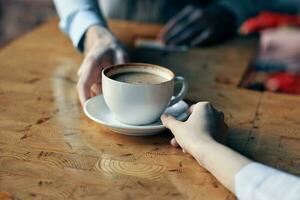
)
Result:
{"points": [[140, 104]]}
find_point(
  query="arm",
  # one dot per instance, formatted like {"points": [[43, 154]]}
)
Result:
{"points": [[77, 16], [221, 161], [199, 136], [196, 135], [83, 22]]}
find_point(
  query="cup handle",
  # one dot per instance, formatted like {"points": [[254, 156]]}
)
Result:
{"points": [[183, 91]]}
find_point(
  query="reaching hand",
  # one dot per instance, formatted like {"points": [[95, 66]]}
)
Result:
{"points": [[198, 136], [195, 26], [101, 50], [204, 125]]}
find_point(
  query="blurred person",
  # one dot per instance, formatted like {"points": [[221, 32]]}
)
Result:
{"points": [[201, 136], [281, 46], [187, 23], [279, 56]]}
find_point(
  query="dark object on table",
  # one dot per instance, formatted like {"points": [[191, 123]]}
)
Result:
{"points": [[257, 86]]}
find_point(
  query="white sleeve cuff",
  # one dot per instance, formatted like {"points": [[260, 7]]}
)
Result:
{"points": [[257, 181], [248, 178], [80, 22]]}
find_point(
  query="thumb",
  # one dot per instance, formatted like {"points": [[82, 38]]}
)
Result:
{"points": [[169, 121]]}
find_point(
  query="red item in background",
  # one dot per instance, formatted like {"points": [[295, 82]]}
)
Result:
{"points": [[283, 82], [268, 20]]}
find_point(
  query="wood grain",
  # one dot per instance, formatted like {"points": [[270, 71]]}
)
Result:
{"points": [[50, 150]]}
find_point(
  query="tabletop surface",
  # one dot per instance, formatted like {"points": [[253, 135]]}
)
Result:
{"points": [[50, 150]]}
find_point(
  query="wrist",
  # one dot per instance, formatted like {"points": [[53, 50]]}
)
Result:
{"points": [[96, 34], [205, 150]]}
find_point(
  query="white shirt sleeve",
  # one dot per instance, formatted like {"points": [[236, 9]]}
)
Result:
{"points": [[76, 16], [259, 182]]}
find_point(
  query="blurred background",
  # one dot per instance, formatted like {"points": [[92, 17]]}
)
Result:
{"points": [[20, 16], [277, 75]]}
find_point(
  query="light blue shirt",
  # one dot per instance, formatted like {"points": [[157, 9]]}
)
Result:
{"points": [[76, 16]]}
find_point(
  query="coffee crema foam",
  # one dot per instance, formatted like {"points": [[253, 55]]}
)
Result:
{"points": [[138, 78]]}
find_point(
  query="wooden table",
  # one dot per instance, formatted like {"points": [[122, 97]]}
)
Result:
{"points": [[50, 150]]}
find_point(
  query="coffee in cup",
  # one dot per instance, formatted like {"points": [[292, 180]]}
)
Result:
{"points": [[138, 93], [139, 78]]}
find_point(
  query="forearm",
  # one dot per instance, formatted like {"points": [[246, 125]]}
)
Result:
{"points": [[221, 161], [94, 34], [246, 179]]}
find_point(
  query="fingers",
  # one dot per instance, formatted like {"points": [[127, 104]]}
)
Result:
{"points": [[202, 39], [87, 62], [102, 53], [199, 106], [183, 36], [83, 91], [96, 89], [84, 85], [202, 110], [174, 143], [183, 31], [89, 74], [170, 25], [89, 79], [191, 109], [169, 121]]}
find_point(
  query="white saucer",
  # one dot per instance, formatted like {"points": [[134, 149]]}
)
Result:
{"points": [[96, 109]]}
